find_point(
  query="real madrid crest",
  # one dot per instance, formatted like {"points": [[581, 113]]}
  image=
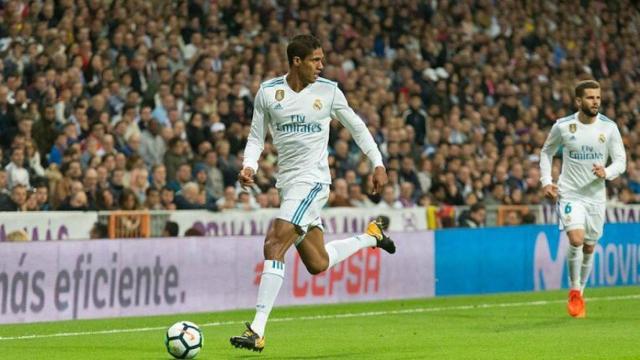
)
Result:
{"points": [[601, 138], [279, 95], [572, 128], [317, 104]]}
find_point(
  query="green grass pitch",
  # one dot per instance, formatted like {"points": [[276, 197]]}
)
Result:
{"points": [[505, 326]]}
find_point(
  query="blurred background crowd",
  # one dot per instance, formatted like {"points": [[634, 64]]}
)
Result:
{"points": [[147, 104]]}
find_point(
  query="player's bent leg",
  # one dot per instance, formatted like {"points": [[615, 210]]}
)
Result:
{"points": [[279, 238], [313, 253], [318, 257]]}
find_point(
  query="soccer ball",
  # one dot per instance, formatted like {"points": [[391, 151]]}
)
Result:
{"points": [[183, 340]]}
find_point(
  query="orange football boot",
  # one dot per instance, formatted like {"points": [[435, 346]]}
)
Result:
{"points": [[575, 305]]}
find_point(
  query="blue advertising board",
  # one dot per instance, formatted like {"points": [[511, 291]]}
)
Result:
{"points": [[528, 258]]}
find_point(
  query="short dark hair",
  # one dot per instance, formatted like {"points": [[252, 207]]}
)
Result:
{"points": [[171, 228], [301, 46], [585, 84], [193, 232], [99, 231], [477, 207]]}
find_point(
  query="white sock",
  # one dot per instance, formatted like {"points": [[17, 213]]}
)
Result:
{"points": [[270, 283], [574, 259], [585, 271], [339, 250]]}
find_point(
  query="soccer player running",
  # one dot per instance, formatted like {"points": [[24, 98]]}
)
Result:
{"points": [[297, 109], [588, 139]]}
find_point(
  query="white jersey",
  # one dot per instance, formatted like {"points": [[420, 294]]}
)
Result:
{"points": [[583, 145], [299, 125]]}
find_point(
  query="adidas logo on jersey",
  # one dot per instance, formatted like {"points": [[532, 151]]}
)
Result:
{"points": [[572, 138], [277, 107]]}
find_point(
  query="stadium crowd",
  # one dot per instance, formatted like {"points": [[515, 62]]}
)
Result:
{"points": [[147, 104]]}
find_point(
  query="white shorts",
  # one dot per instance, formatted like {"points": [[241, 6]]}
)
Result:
{"points": [[576, 214], [301, 204]]}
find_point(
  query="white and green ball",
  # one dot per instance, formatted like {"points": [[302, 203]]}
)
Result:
{"points": [[183, 340]]}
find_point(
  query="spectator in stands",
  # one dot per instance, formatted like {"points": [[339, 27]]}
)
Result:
{"points": [[407, 173], [489, 114], [200, 176], [215, 179], [174, 157], [183, 176], [152, 199], [389, 200], [406, 197], [357, 198], [76, 202], [513, 218], [190, 197], [496, 196], [138, 183], [228, 200], [45, 131], [227, 163], [262, 200], [152, 145], [7, 115], [4, 183], [528, 218], [158, 177], [475, 217], [105, 200], [128, 200], [17, 200], [193, 232], [90, 183], [246, 201], [167, 197], [516, 197], [516, 177], [33, 158], [18, 236], [71, 171], [416, 116], [42, 196], [99, 231], [171, 229], [102, 180], [16, 171], [339, 197], [117, 182], [425, 175]]}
